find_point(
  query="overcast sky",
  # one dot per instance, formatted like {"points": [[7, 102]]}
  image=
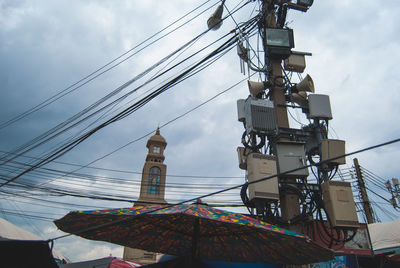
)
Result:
{"points": [[47, 46]]}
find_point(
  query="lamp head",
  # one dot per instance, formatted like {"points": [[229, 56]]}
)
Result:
{"points": [[306, 3]]}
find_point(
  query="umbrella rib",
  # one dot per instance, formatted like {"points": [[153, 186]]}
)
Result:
{"points": [[221, 242], [295, 249], [271, 249], [195, 237], [250, 249], [160, 222], [167, 227]]}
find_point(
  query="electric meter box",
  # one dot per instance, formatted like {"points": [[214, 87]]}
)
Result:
{"points": [[333, 148], [295, 63], [261, 166], [260, 116], [339, 204], [319, 106], [291, 156], [240, 110]]}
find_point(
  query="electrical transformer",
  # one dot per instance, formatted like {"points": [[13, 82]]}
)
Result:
{"points": [[339, 204], [259, 116], [260, 166], [291, 155]]}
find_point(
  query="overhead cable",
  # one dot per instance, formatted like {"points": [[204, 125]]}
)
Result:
{"points": [[62, 127], [90, 77], [187, 73], [231, 188]]}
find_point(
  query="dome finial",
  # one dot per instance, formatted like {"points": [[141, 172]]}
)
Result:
{"points": [[156, 138]]}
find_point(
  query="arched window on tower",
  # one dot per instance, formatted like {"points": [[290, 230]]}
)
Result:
{"points": [[154, 181]]}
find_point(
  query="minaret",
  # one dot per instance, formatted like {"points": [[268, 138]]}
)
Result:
{"points": [[152, 188]]}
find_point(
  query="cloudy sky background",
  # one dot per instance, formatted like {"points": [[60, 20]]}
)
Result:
{"points": [[46, 46]]}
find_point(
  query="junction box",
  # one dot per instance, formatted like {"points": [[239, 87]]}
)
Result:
{"points": [[339, 204], [261, 166], [291, 155]]}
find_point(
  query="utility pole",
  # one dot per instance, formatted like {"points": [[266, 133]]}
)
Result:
{"points": [[264, 116], [289, 202], [365, 200]]}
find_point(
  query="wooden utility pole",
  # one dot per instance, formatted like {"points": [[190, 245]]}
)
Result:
{"points": [[290, 206], [364, 196]]}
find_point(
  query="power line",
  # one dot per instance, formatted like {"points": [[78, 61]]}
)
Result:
{"points": [[67, 147], [163, 125], [73, 174], [64, 149], [386, 212], [375, 193], [28, 216], [112, 192], [90, 77], [189, 72], [63, 127], [53, 202], [234, 187]]}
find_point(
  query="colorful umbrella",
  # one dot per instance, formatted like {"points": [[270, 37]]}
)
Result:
{"points": [[196, 230]]}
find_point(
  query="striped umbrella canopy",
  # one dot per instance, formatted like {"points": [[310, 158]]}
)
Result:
{"points": [[195, 230]]}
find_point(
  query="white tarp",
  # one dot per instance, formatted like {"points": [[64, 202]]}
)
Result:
{"points": [[10, 231], [385, 235]]}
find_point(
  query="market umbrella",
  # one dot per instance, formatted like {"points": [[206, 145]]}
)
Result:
{"points": [[195, 230]]}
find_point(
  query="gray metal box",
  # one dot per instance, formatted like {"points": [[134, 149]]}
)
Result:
{"points": [[262, 166], [240, 110], [260, 116], [319, 106], [339, 203], [333, 148], [291, 156]]}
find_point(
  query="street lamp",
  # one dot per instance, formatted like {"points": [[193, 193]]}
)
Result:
{"points": [[301, 5], [306, 3], [279, 42]]}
